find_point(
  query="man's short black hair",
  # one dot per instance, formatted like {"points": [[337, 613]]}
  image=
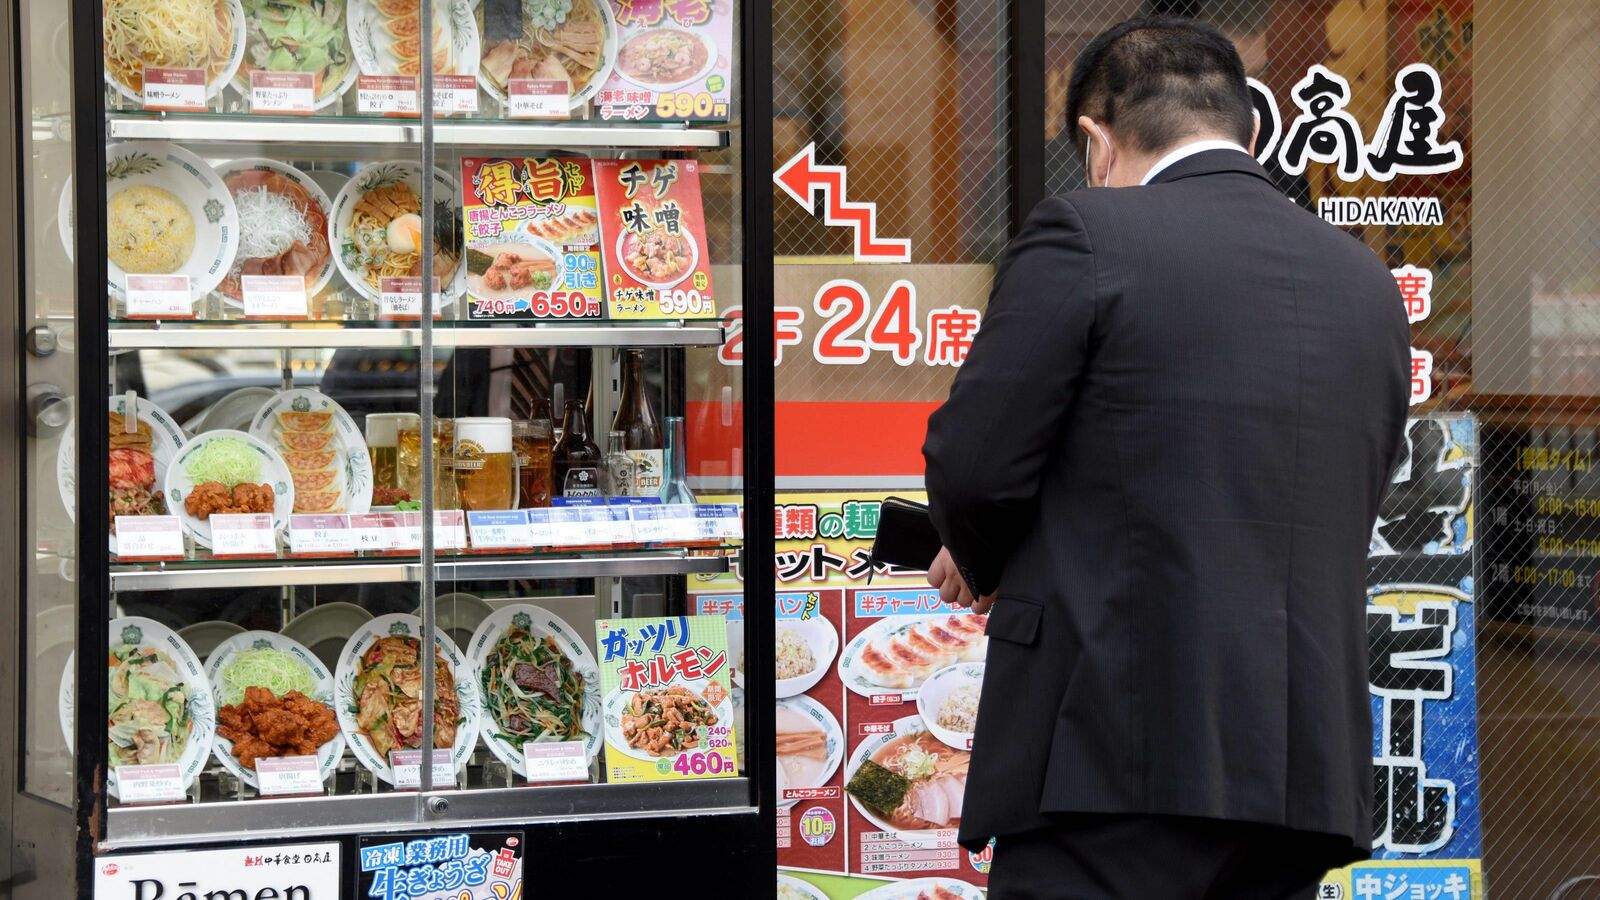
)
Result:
{"points": [[1159, 79]]}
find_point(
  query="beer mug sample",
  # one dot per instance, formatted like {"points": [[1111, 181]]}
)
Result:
{"points": [[531, 439], [408, 456], [383, 446], [485, 465]]}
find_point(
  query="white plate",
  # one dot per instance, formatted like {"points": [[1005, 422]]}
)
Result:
{"points": [[67, 700], [936, 689], [608, 61], [704, 39], [380, 175], [814, 713], [205, 637], [196, 185], [912, 890], [355, 476], [325, 624], [857, 677], [820, 635], [235, 410], [694, 261], [872, 744], [273, 471], [617, 699], [370, 44], [806, 889], [166, 440], [525, 239], [215, 85], [328, 754], [458, 615], [402, 625], [542, 623], [249, 163], [202, 712], [241, 78]]}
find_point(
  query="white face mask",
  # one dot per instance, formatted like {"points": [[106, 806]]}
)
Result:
{"points": [[1088, 162]]}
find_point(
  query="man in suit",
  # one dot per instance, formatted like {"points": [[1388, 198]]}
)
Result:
{"points": [[1157, 472]]}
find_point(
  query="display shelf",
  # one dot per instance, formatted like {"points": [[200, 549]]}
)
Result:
{"points": [[204, 573], [230, 335], [357, 133]]}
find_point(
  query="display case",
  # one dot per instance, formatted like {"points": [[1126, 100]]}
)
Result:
{"points": [[370, 326]]}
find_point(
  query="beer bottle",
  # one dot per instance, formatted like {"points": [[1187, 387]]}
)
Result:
{"points": [[641, 430], [577, 459]]}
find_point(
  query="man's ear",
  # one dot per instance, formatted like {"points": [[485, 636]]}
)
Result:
{"points": [[1255, 132]]}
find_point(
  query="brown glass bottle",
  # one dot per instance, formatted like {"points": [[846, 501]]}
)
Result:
{"points": [[641, 430], [576, 468]]}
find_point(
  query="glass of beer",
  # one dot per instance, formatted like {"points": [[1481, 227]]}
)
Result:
{"points": [[485, 466], [445, 494], [532, 440], [383, 445], [408, 456]]}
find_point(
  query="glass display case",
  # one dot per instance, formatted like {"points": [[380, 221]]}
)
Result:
{"points": [[369, 326]]}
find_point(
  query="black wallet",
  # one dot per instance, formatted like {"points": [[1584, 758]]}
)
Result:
{"points": [[906, 535]]}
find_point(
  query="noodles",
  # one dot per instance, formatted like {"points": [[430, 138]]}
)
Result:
{"points": [[179, 34], [574, 47], [374, 248]]}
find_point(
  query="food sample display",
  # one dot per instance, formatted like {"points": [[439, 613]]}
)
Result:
{"points": [[325, 453], [376, 228], [171, 34], [133, 469], [310, 36], [652, 229], [228, 472], [275, 700], [160, 706], [283, 225], [538, 681], [387, 37], [570, 41]]}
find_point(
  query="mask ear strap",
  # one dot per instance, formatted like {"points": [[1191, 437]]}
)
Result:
{"points": [[1088, 169]]}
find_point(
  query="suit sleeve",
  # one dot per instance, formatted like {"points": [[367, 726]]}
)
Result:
{"points": [[987, 445]]}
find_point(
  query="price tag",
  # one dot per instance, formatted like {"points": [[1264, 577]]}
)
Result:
{"points": [[149, 537], [283, 93], [159, 297], [274, 296], [243, 534], [573, 525], [500, 529], [150, 784], [401, 298], [665, 524], [321, 535], [449, 529], [719, 521], [541, 531], [405, 536], [373, 532], [278, 776], [175, 90], [407, 765], [455, 94], [387, 95], [555, 761], [537, 98]]}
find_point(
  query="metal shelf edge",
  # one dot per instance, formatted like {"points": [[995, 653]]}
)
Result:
{"points": [[244, 336], [240, 128]]}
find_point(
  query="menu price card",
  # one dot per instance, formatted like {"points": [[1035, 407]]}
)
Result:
{"points": [[405, 535], [287, 776], [372, 532], [151, 784], [321, 535], [449, 529], [666, 524], [243, 534], [555, 761], [159, 297], [500, 529], [149, 537], [387, 95], [537, 98], [574, 525], [274, 296], [283, 93], [175, 90], [719, 521], [455, 94], [401, 298], [407, 765]]}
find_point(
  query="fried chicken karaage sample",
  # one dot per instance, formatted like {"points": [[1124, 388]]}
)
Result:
{"points": [[267, 725], [212, 497]]}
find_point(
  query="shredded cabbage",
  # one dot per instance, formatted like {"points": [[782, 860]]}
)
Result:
{"points": [[229, 461], [265, 667]]}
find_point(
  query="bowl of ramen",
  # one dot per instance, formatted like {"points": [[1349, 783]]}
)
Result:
{"points": [[515, 266], [557, 40], [283, 225], [908, 780], [665, 58], [167, 213], [386, 37], [658, 258], [376, 228], [295, 36], [171, 34]]}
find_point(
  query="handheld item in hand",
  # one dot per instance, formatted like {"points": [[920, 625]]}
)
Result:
{"points": [[906, 536]]}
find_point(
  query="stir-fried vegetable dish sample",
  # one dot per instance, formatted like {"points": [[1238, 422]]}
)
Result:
{"points": [[532, 689], [149, 721], [388, 691]]}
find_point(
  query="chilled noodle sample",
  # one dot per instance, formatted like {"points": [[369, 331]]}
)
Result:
{"points": [[266, 667], [171, 34], [148, 231], [532, 689]]}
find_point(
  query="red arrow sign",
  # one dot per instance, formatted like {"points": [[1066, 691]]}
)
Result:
{"points": [[801, 178]]}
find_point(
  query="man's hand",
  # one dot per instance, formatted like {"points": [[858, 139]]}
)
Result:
{"points": [[952, 587]]}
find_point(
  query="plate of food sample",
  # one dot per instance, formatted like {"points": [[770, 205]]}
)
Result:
{"points": [[283, 225], [805, 647], [376, 229], [274, 699], [138, 459], [907, 779], [161, 707], [323, 448], [573, 41], [948, 703], [204, 637], [167, 213], [896, 654], [295, 37], [810, 744], [386, 37], [377, 689], [658, 723], [326, 627], [925, 889], [227, 472], [538, 682], [171, 34]]}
